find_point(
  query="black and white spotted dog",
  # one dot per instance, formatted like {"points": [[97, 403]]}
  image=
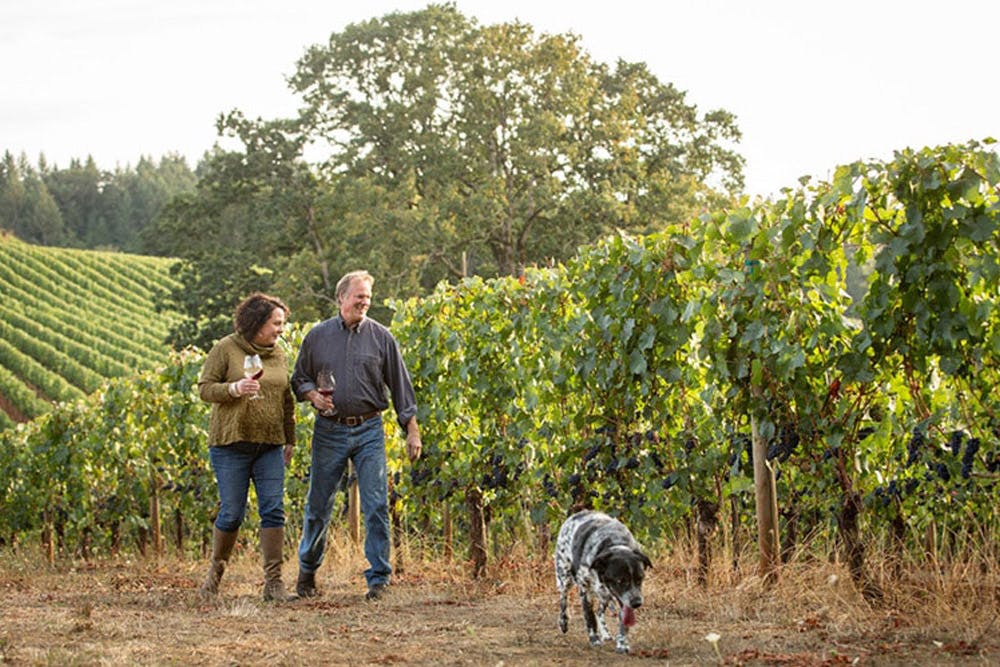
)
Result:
{"points": [[599, 555]]}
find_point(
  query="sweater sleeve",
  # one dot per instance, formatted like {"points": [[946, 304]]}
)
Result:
{"points": [[213, 384], [289, 417]]}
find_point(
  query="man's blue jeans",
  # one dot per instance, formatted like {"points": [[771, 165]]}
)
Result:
{"points": [[234, 466], [333, 445]]}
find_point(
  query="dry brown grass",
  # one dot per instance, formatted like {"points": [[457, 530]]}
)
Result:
{"points": [[120, 611]]}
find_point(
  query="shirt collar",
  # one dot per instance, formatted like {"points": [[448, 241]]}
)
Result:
{"points": [[357, 327]]}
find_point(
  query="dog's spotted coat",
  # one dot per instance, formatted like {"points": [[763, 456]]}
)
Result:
{"points": [[600, 556]]}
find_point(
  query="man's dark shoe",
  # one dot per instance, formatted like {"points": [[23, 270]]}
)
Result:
{"points": [[375, 592], [305, 585]]}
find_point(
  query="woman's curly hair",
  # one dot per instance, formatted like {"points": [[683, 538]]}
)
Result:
{"points": [[254, 312]]}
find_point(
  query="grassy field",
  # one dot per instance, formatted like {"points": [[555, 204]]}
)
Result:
{"points": [[121, 611]]}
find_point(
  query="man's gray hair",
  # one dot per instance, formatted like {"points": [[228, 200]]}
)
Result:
{"points": [[344, 283]]}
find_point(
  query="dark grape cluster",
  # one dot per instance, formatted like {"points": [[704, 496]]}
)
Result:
{"points": [[419, 474], [993, 463], [865, 432], [886, 494], [549, 486], [670, 480], [917, 441], [501, 472], [783, 446], [394, 481], [969, 457], [955, 442]]}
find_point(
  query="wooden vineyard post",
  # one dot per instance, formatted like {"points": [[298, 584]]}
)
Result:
{"points": [[353, 504], [396, 520], [767, 507], [179, 531], [48, 539], [543, 537], [154, 512], [708, 521], [447, 529], [477, 532]]}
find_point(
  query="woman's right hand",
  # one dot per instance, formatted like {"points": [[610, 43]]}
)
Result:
{"points": [[246, 386]]}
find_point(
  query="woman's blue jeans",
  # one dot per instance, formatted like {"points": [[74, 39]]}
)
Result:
{"points": [[235, 466], [333, 445]]}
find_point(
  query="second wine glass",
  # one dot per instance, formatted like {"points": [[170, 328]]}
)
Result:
{"points": [[326, 384]]}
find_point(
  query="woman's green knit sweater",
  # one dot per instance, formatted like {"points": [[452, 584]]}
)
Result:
{"points": [[270, 420]]}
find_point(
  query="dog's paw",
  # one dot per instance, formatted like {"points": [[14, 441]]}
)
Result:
{"points": [[563, 623], [621, 649], [595, 640]]}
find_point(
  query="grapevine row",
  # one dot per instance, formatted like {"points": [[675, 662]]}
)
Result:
{"points": [[52, 385], [33, 270], [56, 265], [51, 310], [635, 378]]}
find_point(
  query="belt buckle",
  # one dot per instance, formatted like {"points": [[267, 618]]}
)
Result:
{"points": [[352, 420]]}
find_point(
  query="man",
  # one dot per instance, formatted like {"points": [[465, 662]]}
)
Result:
{"points": [[365, 360]]}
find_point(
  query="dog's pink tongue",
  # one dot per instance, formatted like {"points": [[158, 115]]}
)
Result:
{"points": [[628, 616]]}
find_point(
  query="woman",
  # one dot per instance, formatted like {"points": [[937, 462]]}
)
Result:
{"points": [[250, 438]]}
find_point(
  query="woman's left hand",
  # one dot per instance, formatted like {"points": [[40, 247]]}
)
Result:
{"points": [[288, 453]]}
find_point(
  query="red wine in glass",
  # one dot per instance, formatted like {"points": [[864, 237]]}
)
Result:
{"points": [[325, 385]]}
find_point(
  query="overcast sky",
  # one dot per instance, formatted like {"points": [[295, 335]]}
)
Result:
{"points": [[812, 84]]}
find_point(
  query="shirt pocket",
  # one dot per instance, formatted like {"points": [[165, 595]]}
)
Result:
{"points": [[369, 370]]}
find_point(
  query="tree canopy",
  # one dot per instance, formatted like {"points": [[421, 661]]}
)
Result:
{"points": [[430, 147], [85, 206]]}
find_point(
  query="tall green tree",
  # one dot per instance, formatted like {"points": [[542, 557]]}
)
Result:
{"points": [[247, 212], [511, 147], [447, 149], [77, 191], [26, 207]]}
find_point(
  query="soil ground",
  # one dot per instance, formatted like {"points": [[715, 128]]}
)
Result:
{"points": [[121, 611]]}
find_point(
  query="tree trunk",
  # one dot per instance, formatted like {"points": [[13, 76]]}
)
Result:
{"points": [[854, 548], [790, 536], [898, 527], [767, 507], [477, 532], [734, 522], [447, 530], [179, 531], [116, 537], [48, 540], [544, 538], [708, 520], [142, 540], [397, 536], [154, 512], [353, 505]]}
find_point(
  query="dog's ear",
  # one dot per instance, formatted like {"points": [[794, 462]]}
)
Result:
{"points": [[600, 562], [645, 559]]}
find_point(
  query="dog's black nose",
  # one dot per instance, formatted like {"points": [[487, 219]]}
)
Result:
{"points": [[636, 603]]}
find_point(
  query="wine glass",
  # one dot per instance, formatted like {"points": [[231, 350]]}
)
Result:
{"points": [[253, 368], [326, 383]]}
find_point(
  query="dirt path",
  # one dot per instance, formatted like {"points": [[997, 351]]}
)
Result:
{"points": [[143, 613]]}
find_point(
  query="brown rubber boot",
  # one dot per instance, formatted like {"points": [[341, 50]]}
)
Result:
{"points": [[222, 547], [272, 540], [306, 585]]}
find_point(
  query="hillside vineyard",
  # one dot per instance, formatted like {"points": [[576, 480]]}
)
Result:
{"points": [[71, 319]]}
